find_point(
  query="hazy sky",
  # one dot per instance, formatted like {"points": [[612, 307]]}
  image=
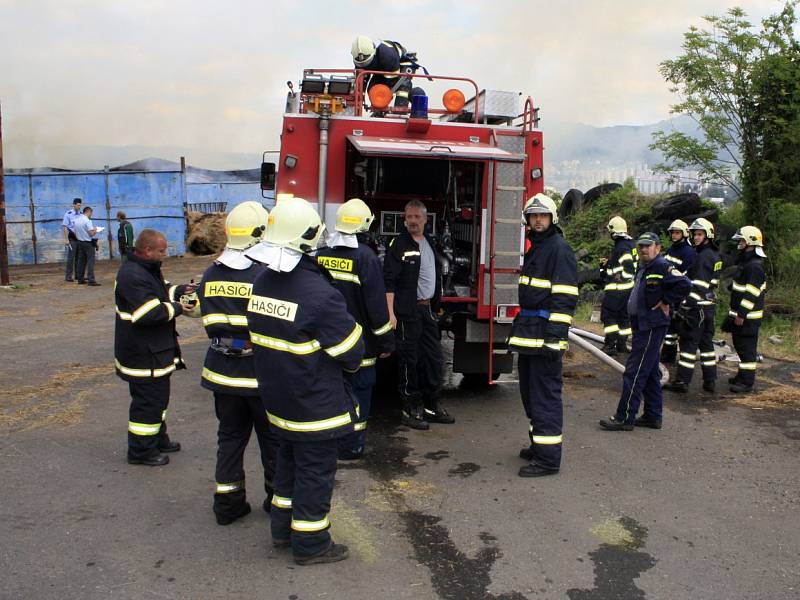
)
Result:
{"points": [[212, 75]]}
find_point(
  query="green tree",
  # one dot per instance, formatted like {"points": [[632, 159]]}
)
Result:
{"points": [[714, 78]]}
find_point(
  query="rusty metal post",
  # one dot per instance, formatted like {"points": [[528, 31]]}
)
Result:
{"points": [[4, 278], [32, 208], [108, 214]]}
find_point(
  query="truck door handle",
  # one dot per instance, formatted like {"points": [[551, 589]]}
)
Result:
{"points": [[441, 147]]}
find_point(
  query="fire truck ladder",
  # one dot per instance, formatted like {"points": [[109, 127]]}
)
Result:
{"points": [[505, 215]]}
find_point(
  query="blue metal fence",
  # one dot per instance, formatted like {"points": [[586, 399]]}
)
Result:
{"points": [[232, 193]]}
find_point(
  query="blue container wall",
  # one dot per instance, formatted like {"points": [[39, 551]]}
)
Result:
{"points": [[152, 200], [232, 193]]}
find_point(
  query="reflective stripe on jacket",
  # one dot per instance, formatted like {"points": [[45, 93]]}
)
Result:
{"points": [[145, 339], [303, 338]]}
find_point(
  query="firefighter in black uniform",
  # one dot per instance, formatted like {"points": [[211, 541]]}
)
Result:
{"points": [[619, 271], [681, 254], [695, 318], [228, 370], [747, 306], [391, 57], [657, 289], [303, 338], [357, 273], [413, 288], [146, 350], [548, 294]]}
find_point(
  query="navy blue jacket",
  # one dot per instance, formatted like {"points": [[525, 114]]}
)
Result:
{"points": [[303, 338], [401, 275], [548, 295], [145, 338], [681, 255], [358, 275], [620, 269], [704, 275], [747, 292], [657, 281], [224, 294]]}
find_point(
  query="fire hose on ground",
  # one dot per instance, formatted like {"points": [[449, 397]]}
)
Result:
{"points": [[580, 336]]}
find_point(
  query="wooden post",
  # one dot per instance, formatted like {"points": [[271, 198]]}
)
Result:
{"points": [[4, 278]]}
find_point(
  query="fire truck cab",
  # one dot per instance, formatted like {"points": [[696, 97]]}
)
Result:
{"points": [[472, 162]]}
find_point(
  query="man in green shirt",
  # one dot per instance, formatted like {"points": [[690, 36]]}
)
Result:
{"points": [[124, 236]]}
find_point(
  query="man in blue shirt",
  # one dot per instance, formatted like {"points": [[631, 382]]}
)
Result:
{"points": [[658, 288], [70, 241], [84, 232]]}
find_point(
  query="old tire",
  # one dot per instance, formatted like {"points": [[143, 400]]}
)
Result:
{"points": [[572, 203], [677, 207], [591, 196]]}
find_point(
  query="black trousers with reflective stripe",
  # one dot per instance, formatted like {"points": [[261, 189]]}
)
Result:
{"points": [[614, 311], [149, 400], [419, 358], [642, 377], [305, 473], [362, 381], [670, 349], [745, 342], [540, 388], [238, 416], [698, 332]]}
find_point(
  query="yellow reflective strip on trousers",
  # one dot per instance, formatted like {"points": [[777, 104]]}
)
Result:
{"points": [[144, 428], [383, 330], [144, 309], [368, 362], [125, 316], [145, 372], [560, 318], [309, 526], [281, 502], [526, 342], [538, 283], [627, 331], [308, 426], [547, 440], [748, 366], [238, 382], [559, 288], [360, 426], [227, 488], [628, 285], [611, 329], [216, 318], [283, 345], [347, 344], [688, 365]]}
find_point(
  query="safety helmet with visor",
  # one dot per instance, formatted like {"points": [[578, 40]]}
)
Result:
{"points": [[540, 205]]}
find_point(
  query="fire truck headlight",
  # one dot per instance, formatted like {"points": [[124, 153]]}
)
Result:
{"points": [[313, 84], [290, 161], [536, 173]]}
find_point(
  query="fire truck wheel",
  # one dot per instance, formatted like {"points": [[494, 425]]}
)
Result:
{"points": [[477, 380]]}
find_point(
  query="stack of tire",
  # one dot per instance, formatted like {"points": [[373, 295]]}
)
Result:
{"points": [[574, 200]]}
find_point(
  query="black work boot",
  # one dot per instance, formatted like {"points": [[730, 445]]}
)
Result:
{"points": [[709, 385], [227, 519], [647, 422], [157, 460], [622, 345], [741, 388], [413, 416], [677, 386], [334, 553], [611, 424], [527, 453], [536, 470], [436, 414]]}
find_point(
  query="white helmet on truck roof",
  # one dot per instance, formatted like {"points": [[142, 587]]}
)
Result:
{"points": [[363, 51]]}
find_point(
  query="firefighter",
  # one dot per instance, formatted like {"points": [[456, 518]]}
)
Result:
{"points": [[387, 56], [681, 254], [303, 338], [412, 274], [357, 273], [146, 350], [695, 318], [228, 370], [618, 271], [658, 287], [747, 306], [548, 294]]}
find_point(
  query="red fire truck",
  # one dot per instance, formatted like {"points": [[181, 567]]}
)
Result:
{"points": [[472, 162]]}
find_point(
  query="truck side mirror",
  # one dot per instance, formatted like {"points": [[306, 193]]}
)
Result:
{"points": [[267, 176]]}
